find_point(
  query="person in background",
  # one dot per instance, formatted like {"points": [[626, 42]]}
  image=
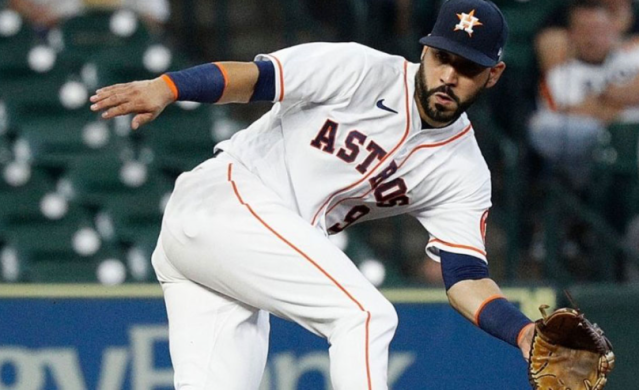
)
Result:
{"points": [[552, 44], [45, 14], [580, 97]]}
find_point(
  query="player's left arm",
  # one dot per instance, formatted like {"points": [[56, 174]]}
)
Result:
{"points": [[482, 302]]}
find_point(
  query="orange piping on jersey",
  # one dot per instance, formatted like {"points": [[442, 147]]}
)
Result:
{"points": [[314, 263], [224, 74], [334, 194], [279, 66], [471, 248], [483, 304], [522, 332], [437, 144], [169, 81], [544, 91], [423, 146], [368, 368]]}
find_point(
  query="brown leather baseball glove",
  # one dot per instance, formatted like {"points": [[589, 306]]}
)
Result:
{"points": [[569, 353]]}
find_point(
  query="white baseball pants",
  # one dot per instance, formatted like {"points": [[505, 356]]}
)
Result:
{"points": [[229, 253]]}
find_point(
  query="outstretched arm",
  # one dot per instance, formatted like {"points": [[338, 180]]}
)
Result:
{"points": [[226, 82], [478, 298], [469, 297]]}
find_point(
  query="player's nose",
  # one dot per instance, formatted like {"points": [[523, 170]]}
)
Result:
{"points": [[449, 75]]}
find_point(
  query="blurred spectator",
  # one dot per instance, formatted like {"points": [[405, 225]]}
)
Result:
{"points": [[48, 13], [581, 96], [552, 44]]}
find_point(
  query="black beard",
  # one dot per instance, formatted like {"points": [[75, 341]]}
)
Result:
{"points": [[438, 113]]}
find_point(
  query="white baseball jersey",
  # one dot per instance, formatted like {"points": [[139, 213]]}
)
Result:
{"points": [[569, 84], [245, 233], [344, 144]]}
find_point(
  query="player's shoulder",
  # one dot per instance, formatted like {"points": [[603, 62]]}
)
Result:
{"points": [[348, 48], [342, 54], [468, 164]]}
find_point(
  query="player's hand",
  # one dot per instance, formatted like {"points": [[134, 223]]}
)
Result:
{"points": [[526, 341], [147, 99]]}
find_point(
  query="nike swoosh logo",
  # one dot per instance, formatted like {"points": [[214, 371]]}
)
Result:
{"points": [[380, 104]]}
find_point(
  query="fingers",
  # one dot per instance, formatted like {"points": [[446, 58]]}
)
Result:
{"points": [[118, 110], [106, 92], [112, 87], [110, 102], [141, 119], [111, 97], [138, 97]]}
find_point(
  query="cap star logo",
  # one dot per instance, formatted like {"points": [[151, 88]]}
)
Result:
{"points": [[467, 22]]}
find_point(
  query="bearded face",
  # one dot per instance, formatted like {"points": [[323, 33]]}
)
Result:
{"points": [[447, 85], [441, 104]]}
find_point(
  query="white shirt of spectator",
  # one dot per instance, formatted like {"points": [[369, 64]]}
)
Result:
{"points": [[380, 163], [569, 84], [158, 10]]}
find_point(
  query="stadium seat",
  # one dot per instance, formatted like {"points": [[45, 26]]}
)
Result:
{"points": [[96, 31], [21, 197], [135, 222], [57, 140], [619, 148], [180, 139], [94, 180], [6, 154], [614, 188], [139, 62], [137, 215], [16, 39], [39, 86], [139, 257], [58, 93], [43, 243], [354, 242]]}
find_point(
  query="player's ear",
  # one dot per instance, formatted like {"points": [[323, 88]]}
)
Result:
{"points": [[495, 73], [423, 52]]}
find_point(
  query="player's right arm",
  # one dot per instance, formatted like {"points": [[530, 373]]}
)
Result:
{"points": [[147, 99], [309, 73]]}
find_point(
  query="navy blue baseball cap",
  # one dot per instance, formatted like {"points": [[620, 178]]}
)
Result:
{"points": [[473, 29]]}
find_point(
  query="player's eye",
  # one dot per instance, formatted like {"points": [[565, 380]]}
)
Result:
{"points": [[442, 57], [468, 68]]}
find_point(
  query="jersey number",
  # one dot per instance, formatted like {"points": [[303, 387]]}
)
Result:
{"points": [[392, 193]]}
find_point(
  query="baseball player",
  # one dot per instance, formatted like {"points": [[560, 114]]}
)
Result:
{"points": [[354, 135]]}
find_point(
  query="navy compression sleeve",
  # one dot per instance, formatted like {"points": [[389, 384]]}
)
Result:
{"points": [[265, 86], [204, 83], [457, 267], [496, 316]]}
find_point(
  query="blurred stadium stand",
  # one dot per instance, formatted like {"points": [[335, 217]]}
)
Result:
{"points": [[82, 198]]}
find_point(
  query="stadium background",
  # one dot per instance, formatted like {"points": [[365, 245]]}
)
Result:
{"points": [[81, 199]]}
